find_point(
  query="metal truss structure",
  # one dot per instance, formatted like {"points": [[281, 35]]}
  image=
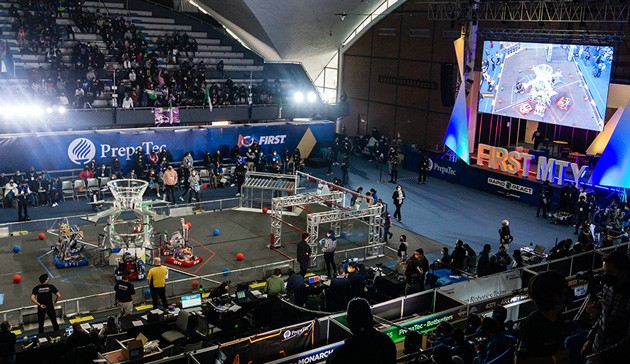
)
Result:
{"points": [[552, 11], [260, 187], [558, 36], [334, 199], [372, 214]]}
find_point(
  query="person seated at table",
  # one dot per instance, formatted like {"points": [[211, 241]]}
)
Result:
{"points": [[110, 328], [79, 337], [220, 290], [275, 283], [297, 287]]}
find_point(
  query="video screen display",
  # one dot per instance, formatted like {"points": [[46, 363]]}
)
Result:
{"points": [[563, 84]]}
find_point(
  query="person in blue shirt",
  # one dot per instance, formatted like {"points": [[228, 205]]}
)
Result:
{"points": [[500, 345]]}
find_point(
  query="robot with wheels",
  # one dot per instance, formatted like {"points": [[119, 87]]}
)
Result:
{"points": [[68, 248], [177, 249], [130, 267]]}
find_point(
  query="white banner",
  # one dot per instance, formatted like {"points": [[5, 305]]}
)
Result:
{"points": [[484, 288]]}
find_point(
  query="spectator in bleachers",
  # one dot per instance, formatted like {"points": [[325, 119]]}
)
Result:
{"points": [[542, 333], [10, 192], [127, 102]]}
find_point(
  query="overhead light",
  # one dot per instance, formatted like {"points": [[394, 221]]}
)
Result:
{"points": [[220, 123], [298, 97], [61, 109], [311, 96]]}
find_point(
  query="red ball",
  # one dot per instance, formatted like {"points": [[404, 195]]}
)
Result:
{"points": [[265, 210], [188, 225], [240, 256], [41, 236], [195, 284], [17, 278]]}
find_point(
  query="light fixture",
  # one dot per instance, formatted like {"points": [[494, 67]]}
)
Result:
{"points": [[61, 109], [311, 96], [298, 97]]}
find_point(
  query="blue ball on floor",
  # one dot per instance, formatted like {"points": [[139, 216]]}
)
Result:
{"points": [[226, 271], [16, 248], [147, 292], [216, 232]]}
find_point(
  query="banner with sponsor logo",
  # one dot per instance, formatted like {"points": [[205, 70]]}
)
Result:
{"points": [[166, 116], [484, 288], [71, 150], [272, 345]]}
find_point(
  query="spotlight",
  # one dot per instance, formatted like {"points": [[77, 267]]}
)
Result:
{"points": [[298, 97], [311, 96], [61, 109], [49, 110]]}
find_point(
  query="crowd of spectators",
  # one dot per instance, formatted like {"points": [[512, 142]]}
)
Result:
{"points": [[142, 79]]}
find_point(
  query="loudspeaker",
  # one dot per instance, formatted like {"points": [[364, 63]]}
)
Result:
{"points": [[447, 83]]}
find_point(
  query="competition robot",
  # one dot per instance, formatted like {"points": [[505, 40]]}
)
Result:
{"points": [[69, 247], [177, 249]]}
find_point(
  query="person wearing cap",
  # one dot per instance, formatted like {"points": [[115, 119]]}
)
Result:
{"points": [[366, 345], [42, 296], [329, 247], [157, 282], [505, 236]]}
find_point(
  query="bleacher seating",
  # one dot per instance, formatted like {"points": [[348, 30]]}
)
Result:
{"points": [[239, 64]]}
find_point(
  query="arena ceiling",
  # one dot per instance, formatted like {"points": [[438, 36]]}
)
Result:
{"points": [[306, 31]]}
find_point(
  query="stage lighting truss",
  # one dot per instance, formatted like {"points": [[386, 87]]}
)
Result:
{"points": [[598, 11], [552, 36]]}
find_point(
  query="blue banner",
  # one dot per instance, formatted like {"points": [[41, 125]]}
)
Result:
{"points": [[72, 150]]}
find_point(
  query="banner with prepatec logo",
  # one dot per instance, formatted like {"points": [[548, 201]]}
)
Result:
{"points": [[72, 150]]}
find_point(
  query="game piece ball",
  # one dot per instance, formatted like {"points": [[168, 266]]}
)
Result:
{"points": [[147, 292], [265, 210], [216, 232], [240, 256], [195, 284], [226, 271], [16, 248], [17, 278], [188, 225], [41, 236]]}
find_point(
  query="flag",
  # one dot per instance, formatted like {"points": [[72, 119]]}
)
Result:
{"points": [[208, 98]]}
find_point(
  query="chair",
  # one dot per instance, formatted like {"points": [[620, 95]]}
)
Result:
{"points": [[67, 190], [79, 188], [182, 327], [204, 176], [92, 184], [103, 184]]}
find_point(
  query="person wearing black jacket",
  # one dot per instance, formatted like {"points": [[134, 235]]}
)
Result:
{"points": [[564, 204], [581, 213], [505, 236], [399, 197], [7, 343], [303, 254], [423, 169], [484, 259], [458, 256], [544, 199]]}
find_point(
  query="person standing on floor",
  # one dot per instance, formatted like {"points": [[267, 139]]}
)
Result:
{"points": [[423, 168], [505, 236], [394, 162], [42, 296], [157, 282], [170, 181], [345, 164], [303, 254], [329, 247], [544, 199], [402, 248], [124, 296], [398, 196], [330, 158]]}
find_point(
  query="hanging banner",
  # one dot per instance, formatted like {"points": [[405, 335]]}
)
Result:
{"points": [[484, 288], [166, 116], [272, 345], [72, 150]]}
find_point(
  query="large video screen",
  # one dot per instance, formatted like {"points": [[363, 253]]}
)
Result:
{"points": [[564, 84]]}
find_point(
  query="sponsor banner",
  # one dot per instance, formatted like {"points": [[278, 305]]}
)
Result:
{"points": [[72, 150], [272, 345], [424, 324], [318, 355], [485, 288]]}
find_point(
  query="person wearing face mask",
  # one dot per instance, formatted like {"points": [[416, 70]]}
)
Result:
{"points": [[170, 180], [195, 187], [398, 196], [542, 333], [609, 339], [329, 246]]}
